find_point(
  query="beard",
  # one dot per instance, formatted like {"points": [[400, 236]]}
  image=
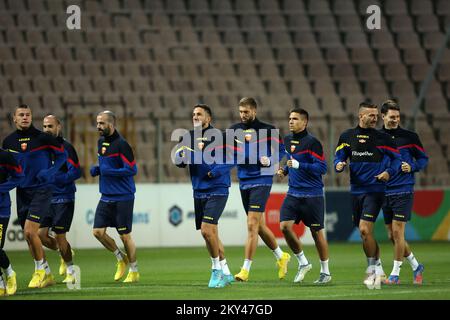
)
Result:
{"points": [[105, 132]]}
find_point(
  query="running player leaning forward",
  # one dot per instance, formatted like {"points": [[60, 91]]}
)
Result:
{"points": [[304, 200], [400, 190], [59, 219], [374, 158], [205, 154], [255, 173], [116, 168], [41, 156]]}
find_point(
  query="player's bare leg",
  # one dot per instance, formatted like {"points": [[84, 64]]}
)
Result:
{"points": [[47, 240], [296, 246], [130, 248], [105, 239], [42, 276], [215, 248], [266, 234], [253, 219], [370, 246]]}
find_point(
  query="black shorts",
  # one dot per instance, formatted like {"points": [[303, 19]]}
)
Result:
{"points": [[209, 209], [255, 199], [309, 210], [3, 227], [60, 217], [366, 206], [116, 214], [398, 207], [33, 204]]}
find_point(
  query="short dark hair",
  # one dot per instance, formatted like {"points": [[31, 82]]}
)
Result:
{"points": [[22, 106], [111, 116], [368, 104], [300, 111], [247, 101], [390, 104], [204, 107]]}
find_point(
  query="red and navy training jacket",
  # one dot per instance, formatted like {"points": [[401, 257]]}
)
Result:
{"points": [[192, 151], [412, 152], [11, 174], [117, 168], [39, 154], [371, 152], [256, 135], [306, 181], [64, 182]]}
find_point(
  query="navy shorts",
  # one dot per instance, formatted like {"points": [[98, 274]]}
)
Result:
{"points": [[60, 217], [209, 209], [3, 227], [366, 206], [33, 204], [309, 210], [255, 199], [116, 214], [398, 207]]}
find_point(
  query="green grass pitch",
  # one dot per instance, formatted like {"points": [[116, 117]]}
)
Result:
{"points": [[183, 273]]}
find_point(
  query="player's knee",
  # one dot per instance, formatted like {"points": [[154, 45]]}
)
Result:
{"points": [[125, 237], [253, 225], [364, 232], [98, 233], [396, 235], [30, 233], [285, 227], [207, 233]]}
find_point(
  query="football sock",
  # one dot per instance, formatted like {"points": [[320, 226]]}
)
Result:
{"points": [[301, 258], [412, 261], [225, 269], [278, 253], [216, 263], [247, 264], [118, 255], [324, 267], [396, 268], [134, 266]]}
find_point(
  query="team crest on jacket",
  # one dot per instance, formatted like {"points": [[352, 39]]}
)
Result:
{"points": [[24, 146], [248, 137], [200, 145], [292, 148], [103, 150]]}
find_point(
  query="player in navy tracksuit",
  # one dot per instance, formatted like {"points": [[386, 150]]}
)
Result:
{"points": [[400, 190], [11, 174], [41, 156], [62, 208], [116, 168], [374, 158], [210, 178], [256, 143], [304, 200]]}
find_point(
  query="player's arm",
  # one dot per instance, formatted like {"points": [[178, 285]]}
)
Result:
{"points": [[228, 162], [342, 153], [60, 158], [128, 168], [318, 165], [391, 150], [73, 165], [14, 170], [419, 154]]}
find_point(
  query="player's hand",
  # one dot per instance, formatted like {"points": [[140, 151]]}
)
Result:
{"points": [[293, 164], [281, 173], [406, 167], [95, 170], [265, 161], [340, 166], [384, 176]]}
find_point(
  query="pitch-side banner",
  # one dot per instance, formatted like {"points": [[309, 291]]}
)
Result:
{"points": [[163, 217]]}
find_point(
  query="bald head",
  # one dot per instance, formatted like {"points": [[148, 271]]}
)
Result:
{"points": [[52, 125], [109, 116], [106, 121]]}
